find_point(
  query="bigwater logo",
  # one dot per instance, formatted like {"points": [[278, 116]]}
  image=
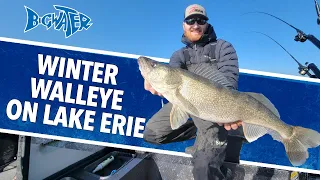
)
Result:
{"points": [[69, 19]]}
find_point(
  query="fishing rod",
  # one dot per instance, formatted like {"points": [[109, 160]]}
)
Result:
{"points": [[303, 70], [301, 36], [317, 11]]}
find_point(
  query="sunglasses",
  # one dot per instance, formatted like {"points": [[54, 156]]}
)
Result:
{"points": [[193, 20]]}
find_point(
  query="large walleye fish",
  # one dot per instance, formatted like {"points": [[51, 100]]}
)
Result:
{"points": [[209, 100]]}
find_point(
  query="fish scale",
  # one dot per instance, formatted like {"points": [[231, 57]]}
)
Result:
{"points": [[220, 96]]}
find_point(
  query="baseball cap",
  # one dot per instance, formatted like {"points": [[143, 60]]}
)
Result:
{"points": [[195, 10]]}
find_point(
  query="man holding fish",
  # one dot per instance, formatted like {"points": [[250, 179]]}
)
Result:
{"points": [[216, 60]]}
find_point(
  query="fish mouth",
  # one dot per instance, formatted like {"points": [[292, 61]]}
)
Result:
{"points": [[146, 64]]}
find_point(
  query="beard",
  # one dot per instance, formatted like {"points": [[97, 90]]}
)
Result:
{"points": [[192, 37]]}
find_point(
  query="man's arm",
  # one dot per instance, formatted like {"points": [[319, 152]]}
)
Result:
{"points": [[228, 65], [175, 59], [148, 87], [228, 62]]}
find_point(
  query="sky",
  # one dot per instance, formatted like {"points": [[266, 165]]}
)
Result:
{"points": [[154, 28]]}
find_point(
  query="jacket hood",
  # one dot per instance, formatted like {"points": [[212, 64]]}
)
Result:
{"points": [[207, 37]]}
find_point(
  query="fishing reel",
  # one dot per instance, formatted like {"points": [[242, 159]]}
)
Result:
{"points": [[301, 37], [305, 70]]}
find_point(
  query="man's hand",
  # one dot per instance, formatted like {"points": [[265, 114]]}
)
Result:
{"points": [[148, 87], [233, 125]]}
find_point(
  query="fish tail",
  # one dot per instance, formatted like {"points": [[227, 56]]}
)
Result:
{"points": [[297, 145]]}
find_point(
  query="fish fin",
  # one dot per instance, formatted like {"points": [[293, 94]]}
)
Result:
{"points": [[297, 145], [213, 75], [265, 101], [253, 132], [186, 104], [275, 135], [177, 117]]}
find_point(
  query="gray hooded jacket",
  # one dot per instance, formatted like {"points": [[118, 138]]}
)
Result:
{"points": [[209, 55], [211, 58]]}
